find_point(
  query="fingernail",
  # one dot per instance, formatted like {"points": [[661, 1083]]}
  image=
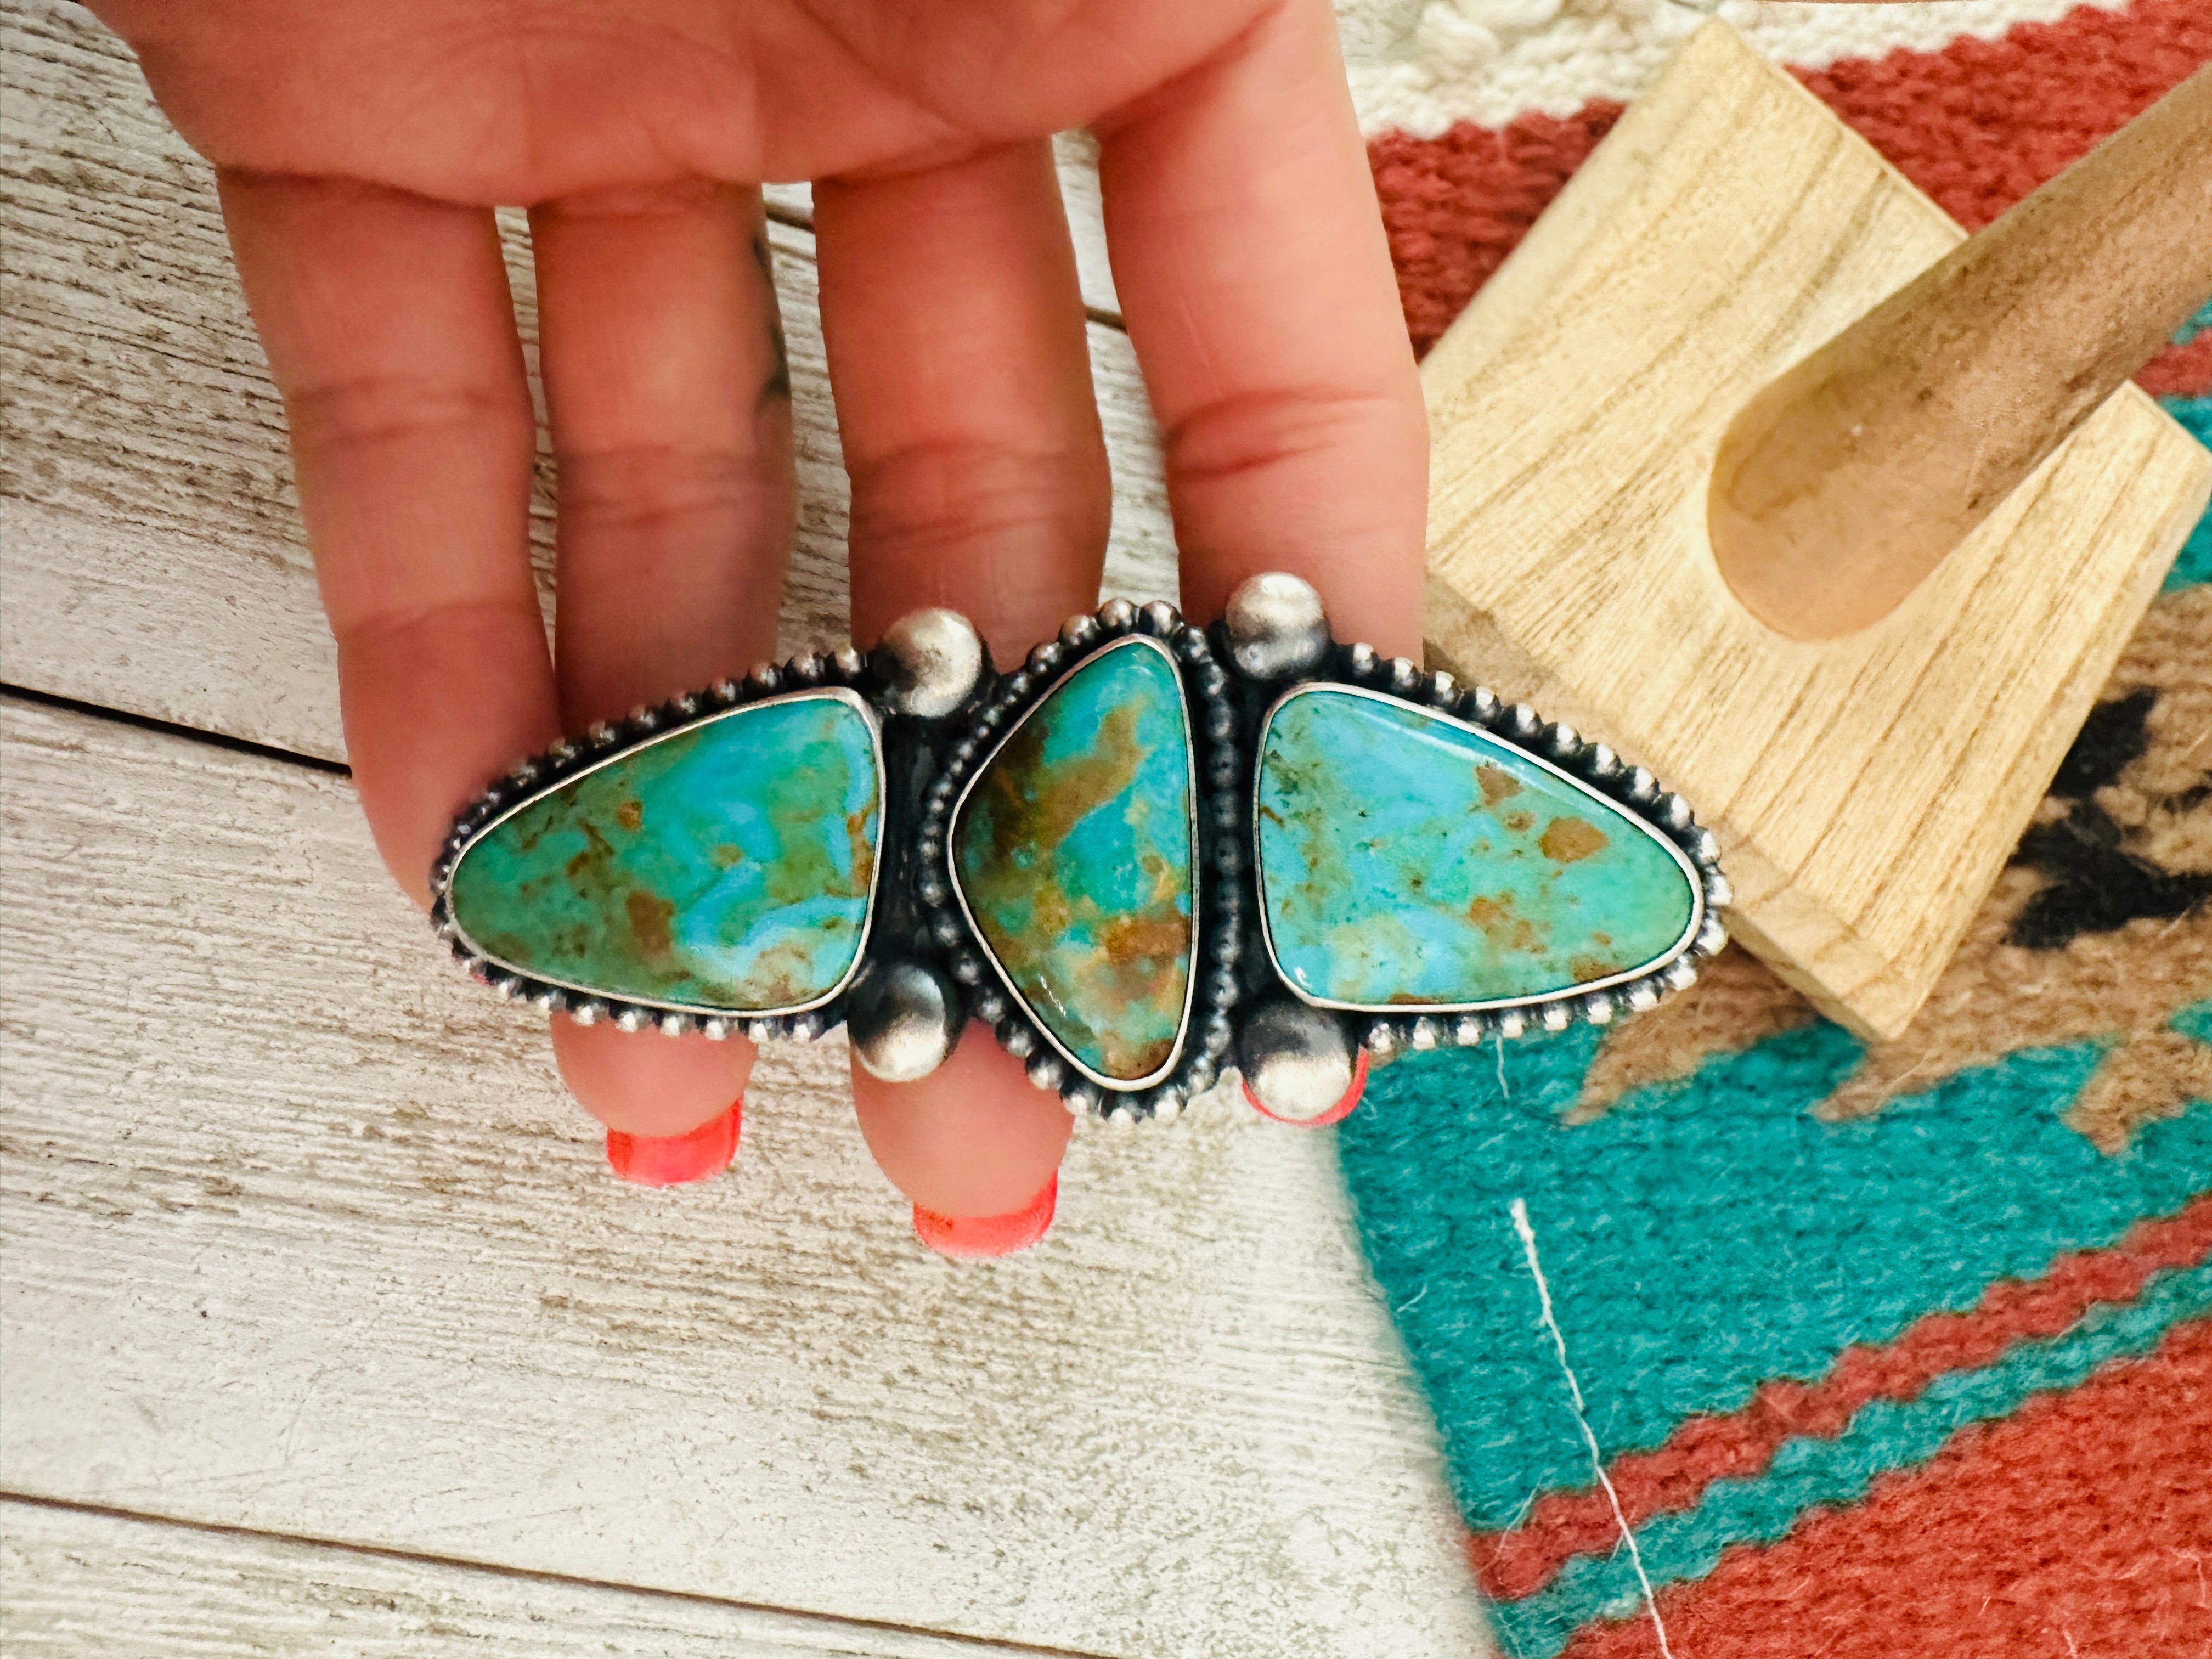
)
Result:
{"points": [[671, 1160], [1335, 1114], [968, 1238]]}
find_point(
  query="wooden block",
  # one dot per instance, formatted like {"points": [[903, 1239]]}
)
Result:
{"points": [[1866, 790]]}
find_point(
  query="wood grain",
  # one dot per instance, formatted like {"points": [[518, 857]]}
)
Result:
{"points": [[1845, 481], [90, 1585], [1866, 791], [150, 540], [303, 1237]]}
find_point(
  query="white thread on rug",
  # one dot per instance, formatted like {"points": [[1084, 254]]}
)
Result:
{"points": [[1503, 1093], [1520, 1213]]}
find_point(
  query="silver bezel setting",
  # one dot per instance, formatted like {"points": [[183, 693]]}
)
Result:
{"points": [[1212, 732], [928, 762], [809, 677], [1561, 750]]}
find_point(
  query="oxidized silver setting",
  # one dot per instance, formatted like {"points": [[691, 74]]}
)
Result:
{"points": [[808, 677], [939, 714], [1211, 729]]}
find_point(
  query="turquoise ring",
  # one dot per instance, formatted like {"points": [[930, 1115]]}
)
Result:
{"points": [[1150, 853]]}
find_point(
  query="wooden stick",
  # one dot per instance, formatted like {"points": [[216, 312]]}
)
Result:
{"points": [[1846, 480]]}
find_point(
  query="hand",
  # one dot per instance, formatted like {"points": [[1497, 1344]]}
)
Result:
{"points": [[360, 144]]}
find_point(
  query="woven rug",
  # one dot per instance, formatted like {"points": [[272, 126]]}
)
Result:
{"points": [[1746, 1337]]}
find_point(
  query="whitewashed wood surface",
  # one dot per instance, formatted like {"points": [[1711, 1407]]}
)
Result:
{"points": [[85, 1581], [301, 1240]]}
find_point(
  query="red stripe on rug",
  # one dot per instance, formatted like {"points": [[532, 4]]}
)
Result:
{"points": [[1672, 1477], [1977, 125], [2180, 370], [2081, 1528], [1455, 206]]}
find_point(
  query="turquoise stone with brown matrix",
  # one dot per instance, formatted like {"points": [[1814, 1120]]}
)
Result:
{"points": [[1072, 852], [729, 865], [1406, 860]]}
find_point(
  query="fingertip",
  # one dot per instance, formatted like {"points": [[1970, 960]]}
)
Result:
{"points": [[644, 1083], [674, 1160], [977, 1238], [974, 1139]]}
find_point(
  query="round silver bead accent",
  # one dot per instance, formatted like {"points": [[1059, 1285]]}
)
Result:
{"points": [[1077, 632], [929, 661], [1159, 618], [1117, 615], [1297, 1061], [1045, 1071], [1276, 627]]}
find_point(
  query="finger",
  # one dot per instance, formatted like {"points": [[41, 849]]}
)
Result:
{"points": [[1249, 259], [670, 412], [958, 347], [389, 330]]}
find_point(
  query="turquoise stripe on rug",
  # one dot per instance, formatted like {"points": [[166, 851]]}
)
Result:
{"points": [[1707, 1236], [1886, 1437], [2193, 564]]}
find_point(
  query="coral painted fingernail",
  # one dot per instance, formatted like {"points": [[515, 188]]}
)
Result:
{"points": [[1335, 1114], [671, 1160], [967, 1239]]}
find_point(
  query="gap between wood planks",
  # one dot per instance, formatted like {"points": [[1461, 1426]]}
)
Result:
{"points": [[841, 1631], [174, 729]]}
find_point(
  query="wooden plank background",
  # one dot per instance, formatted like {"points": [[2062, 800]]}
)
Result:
{"points": [[325, 1328]]}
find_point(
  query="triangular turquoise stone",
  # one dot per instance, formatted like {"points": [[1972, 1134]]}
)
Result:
{"points": [[1072, 852], [1408, 862], [728, 865]]}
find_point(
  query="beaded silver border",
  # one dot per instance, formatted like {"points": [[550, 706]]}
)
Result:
{"points": [[843, 675], [1207, 1030], [1562, 749]]}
